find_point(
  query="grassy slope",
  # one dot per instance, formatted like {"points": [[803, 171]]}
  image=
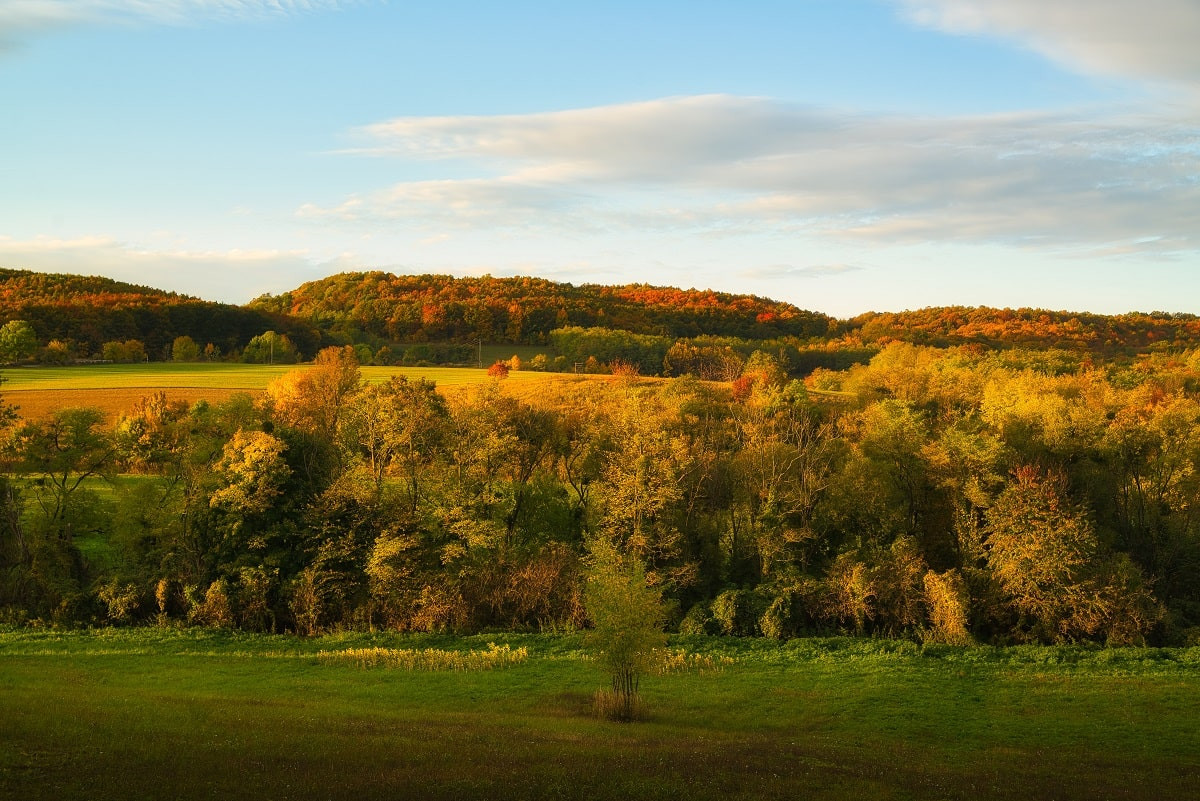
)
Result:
{"points": [[121, 714]]}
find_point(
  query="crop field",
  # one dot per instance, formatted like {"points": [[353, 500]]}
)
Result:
{"points": [[114, 388], [169, 713]]}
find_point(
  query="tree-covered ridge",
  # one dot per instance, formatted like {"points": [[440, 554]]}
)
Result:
{"points": [[1040, 328], [524, 310], [85, 312], [21, 287]]}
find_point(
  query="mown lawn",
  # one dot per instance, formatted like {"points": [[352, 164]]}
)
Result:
{"points": [[156, 713]]}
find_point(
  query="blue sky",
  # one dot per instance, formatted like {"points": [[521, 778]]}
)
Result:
{"points": [[843, 155]]}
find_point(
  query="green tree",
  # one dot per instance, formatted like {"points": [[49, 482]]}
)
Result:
{"points": [[185, 349], [63, 452], [270, 348], [130, 351], [627, 626], [17, 341], [399, 427]]}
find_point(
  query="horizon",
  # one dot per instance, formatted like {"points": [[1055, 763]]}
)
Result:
{"points": [[844, 157]]}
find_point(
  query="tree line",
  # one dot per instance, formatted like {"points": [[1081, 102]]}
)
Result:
{"points": [[948, 495]]}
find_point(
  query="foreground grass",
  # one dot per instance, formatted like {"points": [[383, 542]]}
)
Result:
{"points": [[187, 714]]}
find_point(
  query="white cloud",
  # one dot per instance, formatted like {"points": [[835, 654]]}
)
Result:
{"points": [[233, 276], [1154, 39], [784, 271], [720, 164]]}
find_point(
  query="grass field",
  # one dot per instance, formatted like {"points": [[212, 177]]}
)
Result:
{"points": [[37, 391], [159, 713]]}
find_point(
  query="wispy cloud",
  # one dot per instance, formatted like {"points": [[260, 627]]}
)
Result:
{"points": [[719, 163], [1148, 39], [22, 18], [777, 271]]}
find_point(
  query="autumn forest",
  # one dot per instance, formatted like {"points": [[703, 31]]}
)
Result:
{"points": [[1012, 478]]}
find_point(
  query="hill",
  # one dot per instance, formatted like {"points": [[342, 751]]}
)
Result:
{"points": [[1030, 328], [379, 308], [522, 310], [91, 310]]}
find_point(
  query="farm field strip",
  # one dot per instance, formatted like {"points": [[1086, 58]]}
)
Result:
{"points": [[215, 376], [37, 392]]}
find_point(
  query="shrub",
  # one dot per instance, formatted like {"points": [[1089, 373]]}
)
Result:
{"points": [[948, 600], [699, 620], [215, 610], [120, 600], [850, 592]]}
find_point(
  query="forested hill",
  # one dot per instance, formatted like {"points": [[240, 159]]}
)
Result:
{"points": [[1029, 328], [408, 308], [87, 311], [379, 308]]}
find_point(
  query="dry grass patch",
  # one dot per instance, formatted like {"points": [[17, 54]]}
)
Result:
{"points": [[496, 657]]}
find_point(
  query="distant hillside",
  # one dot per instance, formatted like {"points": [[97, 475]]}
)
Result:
{"points": [[1030, 328], [91, 310], [378, 308], [413, 308]]}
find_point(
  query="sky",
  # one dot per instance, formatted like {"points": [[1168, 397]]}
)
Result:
{"points": [[842, 155]]}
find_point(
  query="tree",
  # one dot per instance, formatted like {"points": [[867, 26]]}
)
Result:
{"points": [[17, 341], [64, 452], [627, 626], [58, 352], [400, 425], [253, 471], [1040, 544], [130, 351], [185, 349], [311, 400], [270, 348]]}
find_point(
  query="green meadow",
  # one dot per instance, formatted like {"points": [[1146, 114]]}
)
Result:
{"points": [[169, 713]]}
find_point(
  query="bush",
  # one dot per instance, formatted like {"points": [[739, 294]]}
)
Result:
{"points": [[948, 600], [699, 620], [738, 612], [120, 600]]}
